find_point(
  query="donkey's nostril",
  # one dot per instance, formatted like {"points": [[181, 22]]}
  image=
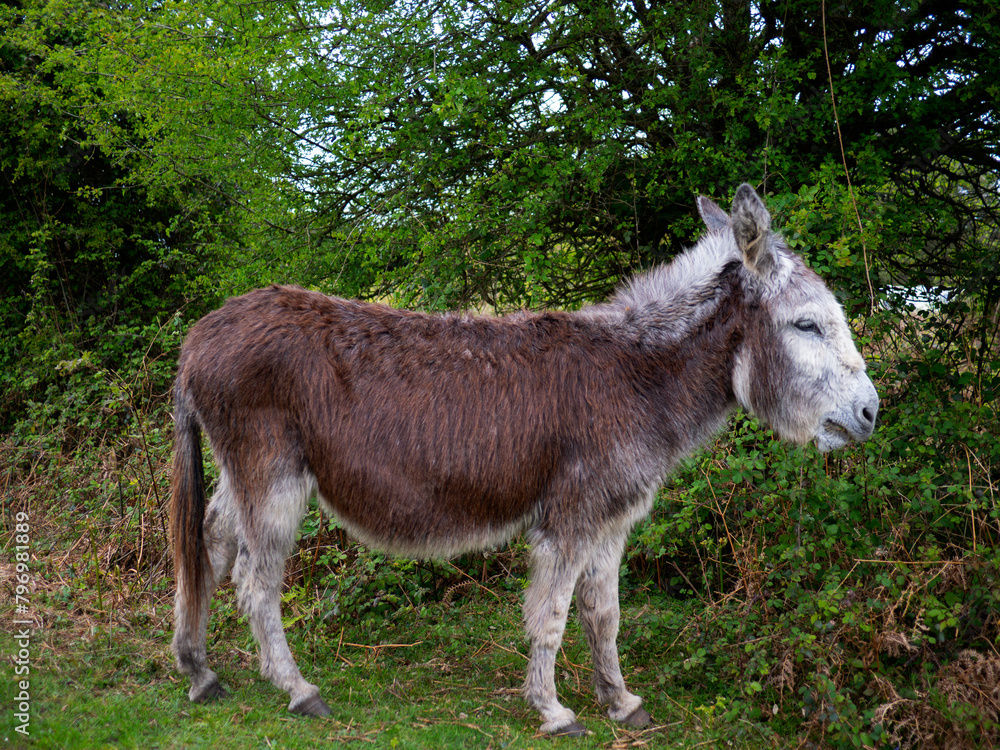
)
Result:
{"points": [[868, 414]]}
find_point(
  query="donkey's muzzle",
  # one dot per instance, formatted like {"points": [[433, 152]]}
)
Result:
{"points": [[854, 420]]}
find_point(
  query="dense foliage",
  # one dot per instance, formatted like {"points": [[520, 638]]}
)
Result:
{"points": [[489, 154]]}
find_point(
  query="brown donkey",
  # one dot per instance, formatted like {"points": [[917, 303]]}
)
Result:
{"points": [[431, 435]]}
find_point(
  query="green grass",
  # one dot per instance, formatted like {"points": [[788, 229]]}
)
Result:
{"points": [[438, 676]]}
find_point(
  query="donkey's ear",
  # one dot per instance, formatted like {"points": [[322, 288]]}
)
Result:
{"points": [[714, 217], [752, 230]]}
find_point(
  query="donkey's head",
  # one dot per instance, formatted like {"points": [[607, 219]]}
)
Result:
{"points": [[798, 367]]}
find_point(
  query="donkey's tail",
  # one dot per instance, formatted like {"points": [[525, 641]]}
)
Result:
{"points": [[187, 510]]}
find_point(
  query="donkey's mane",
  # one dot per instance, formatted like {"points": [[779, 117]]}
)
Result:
{"points": [[671, 300], [688, 275]]}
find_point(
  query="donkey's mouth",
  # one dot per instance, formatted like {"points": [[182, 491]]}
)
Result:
{"points": [[837, 429], [832, 435]]}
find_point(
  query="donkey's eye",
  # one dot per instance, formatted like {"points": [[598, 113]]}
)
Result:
{"points": [[808, 326]]}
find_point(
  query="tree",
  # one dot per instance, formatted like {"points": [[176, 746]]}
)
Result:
{"points": [[90, 252], [524, 154], [496, 152]]}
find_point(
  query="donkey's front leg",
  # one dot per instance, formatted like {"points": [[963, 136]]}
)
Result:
{"points": [[546, 606], [597, 602]]}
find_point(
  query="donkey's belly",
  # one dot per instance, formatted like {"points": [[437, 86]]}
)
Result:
{"points": [[421, 520]]}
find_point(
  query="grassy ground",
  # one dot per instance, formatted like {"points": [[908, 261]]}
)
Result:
{"points": [[441, 675]]}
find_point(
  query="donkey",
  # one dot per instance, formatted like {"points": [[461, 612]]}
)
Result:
{"points": [[432, 435]]}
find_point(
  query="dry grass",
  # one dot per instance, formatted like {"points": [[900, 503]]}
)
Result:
{"points": [[962, 713]]}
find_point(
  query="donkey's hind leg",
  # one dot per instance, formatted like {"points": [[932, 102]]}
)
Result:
{"points": [[597, 603], [190, 635], [260, 565]]}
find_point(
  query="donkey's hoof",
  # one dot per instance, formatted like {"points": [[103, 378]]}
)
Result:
{"points": [[638, 718], [573, 729], [211, 692], [311, 706]]}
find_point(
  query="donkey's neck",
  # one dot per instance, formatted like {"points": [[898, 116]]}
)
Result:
{"points": [[685, 342]]}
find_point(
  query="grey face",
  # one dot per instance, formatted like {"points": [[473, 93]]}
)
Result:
{"points": [[827, 397], [799, 368]]}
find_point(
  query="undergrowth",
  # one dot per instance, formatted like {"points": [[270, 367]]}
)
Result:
{"points": [[847, 600]]}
